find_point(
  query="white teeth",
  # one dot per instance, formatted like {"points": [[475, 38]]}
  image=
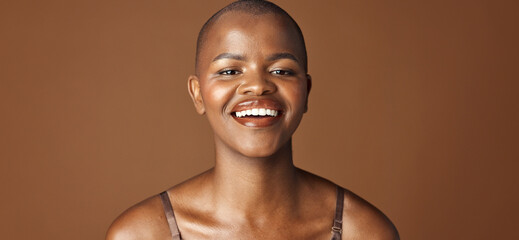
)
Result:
{"points": [[257, 112]]}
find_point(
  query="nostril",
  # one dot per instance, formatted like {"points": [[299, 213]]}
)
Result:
{"points": [[256, 86]]}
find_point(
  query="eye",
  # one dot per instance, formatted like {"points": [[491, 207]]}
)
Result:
{"points": [[229, 72], [282, 72]]}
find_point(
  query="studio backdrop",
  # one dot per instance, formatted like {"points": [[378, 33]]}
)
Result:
{"points": [[414, 107]]}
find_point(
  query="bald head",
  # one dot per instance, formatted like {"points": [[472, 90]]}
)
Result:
{"points": [[252, 7]]}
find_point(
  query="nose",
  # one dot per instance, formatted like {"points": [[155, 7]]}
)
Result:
{"points": [[256, 84]]}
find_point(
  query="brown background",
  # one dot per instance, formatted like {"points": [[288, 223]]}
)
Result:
{"points": [[414, 107]]}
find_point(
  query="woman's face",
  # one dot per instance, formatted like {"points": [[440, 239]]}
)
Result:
{"points": [[251, 82]]}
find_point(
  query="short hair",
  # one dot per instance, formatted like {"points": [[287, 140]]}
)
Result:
{"points": [[254, 7]]}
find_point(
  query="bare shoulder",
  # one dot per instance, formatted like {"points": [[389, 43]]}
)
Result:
{"points": [[145, 220], [361, 220]]}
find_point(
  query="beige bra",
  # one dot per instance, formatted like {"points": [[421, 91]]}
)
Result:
{"points": [[175, 233]]}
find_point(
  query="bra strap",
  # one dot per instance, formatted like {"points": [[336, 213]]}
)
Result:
{"points": [[337, 221], [170, 216]]}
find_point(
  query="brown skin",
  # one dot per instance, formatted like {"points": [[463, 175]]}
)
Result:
{"points": [[254, 191]]}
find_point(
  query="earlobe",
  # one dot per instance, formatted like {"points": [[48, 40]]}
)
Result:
{"points": [[193, 86], [308, 88]]}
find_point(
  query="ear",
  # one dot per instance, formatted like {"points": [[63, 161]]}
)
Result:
{"points": [[193, 86], [308, 88]]}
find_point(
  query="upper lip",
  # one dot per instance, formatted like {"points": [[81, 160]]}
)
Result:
{"points": [[257, 103]]}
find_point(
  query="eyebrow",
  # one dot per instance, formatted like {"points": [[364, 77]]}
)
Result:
{"points": [[229, 55], [283, 55], [273, 57]]}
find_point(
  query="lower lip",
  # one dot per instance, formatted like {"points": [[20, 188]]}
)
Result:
{"points": [[257, 121]]}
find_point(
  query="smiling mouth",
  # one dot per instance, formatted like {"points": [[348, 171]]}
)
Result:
{"points": [[257, 113]]}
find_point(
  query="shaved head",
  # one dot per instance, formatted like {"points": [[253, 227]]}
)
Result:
{"points": [[252, 7]]}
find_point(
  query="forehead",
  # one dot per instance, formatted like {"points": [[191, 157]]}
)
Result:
{"points": [[254, 34]]}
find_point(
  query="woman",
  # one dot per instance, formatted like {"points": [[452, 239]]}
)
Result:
{"points": [[251, 82]]}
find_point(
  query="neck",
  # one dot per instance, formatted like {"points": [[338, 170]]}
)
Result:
{"points": [[255, 186]]}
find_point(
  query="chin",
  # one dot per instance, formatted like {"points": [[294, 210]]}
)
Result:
{"points": [[257, 153], [264, 149]]}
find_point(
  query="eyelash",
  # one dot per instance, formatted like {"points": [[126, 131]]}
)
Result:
{"points": [[279, 72], [229, 72], [282, 72]]}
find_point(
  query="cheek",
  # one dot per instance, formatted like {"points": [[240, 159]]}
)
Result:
{"points": [[216, 95], [296, 94]]}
